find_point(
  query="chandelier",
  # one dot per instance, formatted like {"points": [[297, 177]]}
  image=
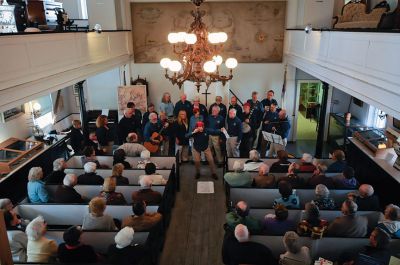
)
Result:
{"points": [[198, 53]]}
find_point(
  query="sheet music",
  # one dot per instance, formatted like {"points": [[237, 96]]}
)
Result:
{"points": [[226, 134], [105, 112], [205, 187]]}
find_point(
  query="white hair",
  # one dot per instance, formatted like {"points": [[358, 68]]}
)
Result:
{"points": [[238, 166], [124, 237], [233, 110], [254, 155], [216, 107], [241, 233], [366, 190], [321, 190], [35, 173], [151, 115], [4, 203], [35, 228], [307, 158], [146, 181], [58, 164], [70, 180], [90, 167], [145, 154]]}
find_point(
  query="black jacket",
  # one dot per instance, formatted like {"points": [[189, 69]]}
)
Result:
{"points": [[129, 255], [55, 177], [77, 140], [90, 179], [66, 194]]}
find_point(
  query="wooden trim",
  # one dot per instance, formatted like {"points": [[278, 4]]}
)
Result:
{"points": [[5, 253]]}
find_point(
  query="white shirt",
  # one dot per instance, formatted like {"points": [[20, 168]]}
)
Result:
{"points": [[157, 179]]}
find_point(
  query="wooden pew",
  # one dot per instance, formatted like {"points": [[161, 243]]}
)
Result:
{"points": [[259, 214], [71, 214]]}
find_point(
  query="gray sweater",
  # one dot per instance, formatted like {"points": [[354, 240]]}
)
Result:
{"points": [[348, 226], [104, 223]]}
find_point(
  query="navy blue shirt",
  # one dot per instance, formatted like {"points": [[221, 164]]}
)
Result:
{"points": [[200, 142], [235, 128], [186, 106], [337, 166], [239, 111], [266, 102], [150, 128], [258, 108], [252, 120], [283, 128], [271, 117], [216, 122], [222, 110]]}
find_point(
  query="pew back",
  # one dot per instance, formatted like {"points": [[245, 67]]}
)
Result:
{"points": [[161, 162]]}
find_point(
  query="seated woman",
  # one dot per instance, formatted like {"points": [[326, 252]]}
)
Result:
{"points": [[72, 251], [39, 249], [16, 236], [278, 224], [346, 180], [150, 170], [295, 253], [57, 176], [90, 177], [119, 157], [339, 163], [96, 219], [117, 171], [282, 165], [293, 178], [289, 199], [306, 165], [391, 223], [254, 161], [124, 252], [89, 155], [322, 200], [263, 179], [109, 194], [37, 192], [312, 226], [238, 178]]}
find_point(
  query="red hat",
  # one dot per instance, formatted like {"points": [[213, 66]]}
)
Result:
{"points": [[246, 105], [196, 110], [199, 124]]}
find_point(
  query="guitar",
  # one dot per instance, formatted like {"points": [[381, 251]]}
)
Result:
{"points": [[155, 140]]}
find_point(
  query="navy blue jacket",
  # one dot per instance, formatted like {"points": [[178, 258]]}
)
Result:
{"points": [[216, 122], [150, 128], [239, 110], [283, 128], [258, 108], [200, 142], [222, 110], [203, 111], [187, 106], [266, 102], [271, 117], [235, 128]]}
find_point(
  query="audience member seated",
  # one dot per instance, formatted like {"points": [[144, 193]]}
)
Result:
{"points": [[72, 250], [278, 224], [289, 198], [378, 250], [96, 219], [124, 252], [141, 220], [39, 248], [238, 249], [295, 253], [37, 192], [263, 179], [313, 225], [145, 155], [119, 157], [348, 225], [57, 176], [339, 163], [254, 161], [92, 141], [322, 200], [66, 193], [293, 178], [282, 165], [391, 223], [16, 236], [117, 171], [150, 170], [146, 193], [319, 177], [240, 215], [346, 180], [366, 200], [131, 147], [109, 194], [90, 177], [238, 178], [89, 155], [306, 164], [7, 205]]}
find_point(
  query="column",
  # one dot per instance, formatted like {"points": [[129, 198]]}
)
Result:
{"points": [[82, 109], [321, 122]]}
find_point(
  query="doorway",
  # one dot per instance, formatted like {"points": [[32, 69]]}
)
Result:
{"points": [[308, 110]]}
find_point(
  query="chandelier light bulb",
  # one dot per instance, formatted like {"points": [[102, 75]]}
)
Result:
{"points": [[231, 63], [173, 38], [190, 38], [213, 38], [175, 66], [210, 66], [223, 37], [36, 106], [217, 59], [165, 62], [181, 36]]}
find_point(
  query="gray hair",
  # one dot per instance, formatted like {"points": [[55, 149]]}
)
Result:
{"points": [[233, 110], [146, 182], [70, 180], [307, 158], [35, 228], [321, 190], [241, 233], [291, 242], [254, 155], [238, 166], [264, 168], [217, 107], [90, 167], [4, 203], [35, 173], [151, 115], [58, 164], [366, 190]]}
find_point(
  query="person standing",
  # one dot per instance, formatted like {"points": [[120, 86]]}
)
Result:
{"points": [[234, 133], [181, 127], [76, 136], [271, 118], [150, 109], [256, 106], [282, 128], [201, 107], [136, 115], [266, 102], [234, 105], [249, 125], [216, 122], [183, 104], [126, 125], [153, 126], [200, 144], [166, 105], [104, 134], [222, 107]]}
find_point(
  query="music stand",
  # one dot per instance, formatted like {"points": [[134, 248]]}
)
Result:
{"points": [[273, 138]]}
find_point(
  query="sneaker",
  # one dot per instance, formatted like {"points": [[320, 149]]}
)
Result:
{"points": [[214, 176], [197, 176]]}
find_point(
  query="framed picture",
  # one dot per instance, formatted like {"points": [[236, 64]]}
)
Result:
{"points": [[134, 93], [7, 19], [11, 114]]}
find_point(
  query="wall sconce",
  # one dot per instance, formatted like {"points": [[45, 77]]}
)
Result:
{"points": [[36, 107]]}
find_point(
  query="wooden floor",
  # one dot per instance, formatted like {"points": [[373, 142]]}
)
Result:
{"points": [[195, 234]]}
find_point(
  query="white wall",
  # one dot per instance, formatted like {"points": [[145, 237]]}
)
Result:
{"points": [[72, 7], [102, 12], [318, 13], [18, 127], [101, 91]]}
